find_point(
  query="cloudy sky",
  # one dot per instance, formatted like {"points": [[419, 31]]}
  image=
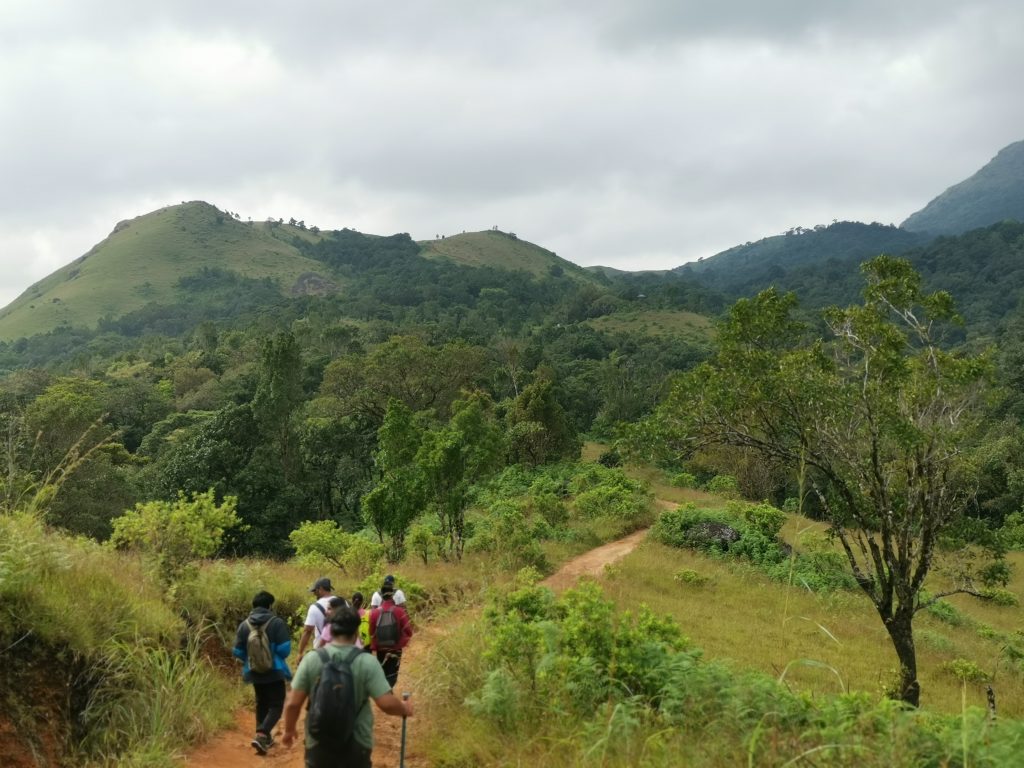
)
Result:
{"points": [[639, 134]]}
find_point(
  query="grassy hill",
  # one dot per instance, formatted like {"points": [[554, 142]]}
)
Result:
{"points": [[993, 194], [502, 250], [143, 260]]}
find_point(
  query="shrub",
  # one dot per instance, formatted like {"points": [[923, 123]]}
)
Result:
{"points": [[323, 541], [946, 612], [723, 485], [965, 670], [172, 535], [1003, 597], [765, 519], [690, 577], [684, 480]]}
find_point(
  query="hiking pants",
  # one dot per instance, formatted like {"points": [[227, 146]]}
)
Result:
{"points": [[390, 661], [356, 757], [269, 705]]}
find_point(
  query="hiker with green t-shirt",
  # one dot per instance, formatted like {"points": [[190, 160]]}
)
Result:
{"points": [[368, 682]]}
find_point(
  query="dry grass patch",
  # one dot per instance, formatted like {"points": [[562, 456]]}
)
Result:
{"points": [[818, 644]]}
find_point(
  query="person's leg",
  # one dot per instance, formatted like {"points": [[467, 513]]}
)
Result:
{"points": [[273, 699], [262, 703], [390, 661]]}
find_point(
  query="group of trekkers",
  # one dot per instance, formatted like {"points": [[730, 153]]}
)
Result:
{"points": [[355, 655]]}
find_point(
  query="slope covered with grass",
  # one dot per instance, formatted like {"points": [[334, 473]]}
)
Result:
{"points": [[502, 250], [143, 260]]}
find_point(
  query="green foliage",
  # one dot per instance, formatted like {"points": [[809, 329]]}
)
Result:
{"points": [[684, 480], [1012, 532], [539, 430], [172, 535], [818, 567], [946, 612], [723, 485], [690, 577], [1003, 597], [764, 518], [323, 541], [965, 670]]}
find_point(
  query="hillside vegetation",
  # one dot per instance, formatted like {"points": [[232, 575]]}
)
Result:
{"points": [[143, 261], [502, 250]]}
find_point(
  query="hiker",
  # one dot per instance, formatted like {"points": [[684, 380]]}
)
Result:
{"points": [[316, 615], [364, 622], [263, 643], [329, 745], [389, 580], [332, 605], [390, 632]]}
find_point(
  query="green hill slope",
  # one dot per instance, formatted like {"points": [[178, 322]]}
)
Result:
{"points": [[143, 260], [993, 194], [502, 250]]}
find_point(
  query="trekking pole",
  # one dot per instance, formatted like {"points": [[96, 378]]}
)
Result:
{"points": [[401, 754]]}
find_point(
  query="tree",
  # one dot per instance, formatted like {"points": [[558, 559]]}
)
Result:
{"points": [[398, 498], [876, 419], [539, 430], [172, 535], [454, 456]]}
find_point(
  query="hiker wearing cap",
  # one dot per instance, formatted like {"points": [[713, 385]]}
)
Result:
{"points": [[316, 615], [390, 632], [368, 682], [263, 643]]}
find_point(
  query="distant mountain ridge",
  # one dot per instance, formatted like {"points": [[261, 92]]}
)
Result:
{"points": [[993, 194], [748, 268]]}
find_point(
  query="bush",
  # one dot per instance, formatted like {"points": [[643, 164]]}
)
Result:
{"points": [[1003, 597], [684, 480], [690, 577], [724, 485], [172, 535], [965, 670]]}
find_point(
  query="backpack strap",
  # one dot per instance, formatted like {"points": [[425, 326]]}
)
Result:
{"points": [[322, 609]]}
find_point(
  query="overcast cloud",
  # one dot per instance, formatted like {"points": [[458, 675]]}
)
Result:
{"points": [[638, 135]]}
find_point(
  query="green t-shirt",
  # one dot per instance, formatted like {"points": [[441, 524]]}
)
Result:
{"points": [[368, 679]]}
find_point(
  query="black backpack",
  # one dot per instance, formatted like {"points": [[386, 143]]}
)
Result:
{"points": [[387, 631], [332, 706]]}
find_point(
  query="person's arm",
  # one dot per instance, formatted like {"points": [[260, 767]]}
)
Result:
{"points": [[373, 629], [240, 636], [406, 626], [307, 634], [292, 707], [390, 704], [283, 640]]}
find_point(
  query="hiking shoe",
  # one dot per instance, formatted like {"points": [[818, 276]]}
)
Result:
{"points": [[262, 743]]}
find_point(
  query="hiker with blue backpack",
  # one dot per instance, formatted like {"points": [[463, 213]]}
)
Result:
{"points": [[390, 632], [338, 680], [263, 643]]}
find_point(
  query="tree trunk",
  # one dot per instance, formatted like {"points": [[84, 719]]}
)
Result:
{"points": [[901, 631]]}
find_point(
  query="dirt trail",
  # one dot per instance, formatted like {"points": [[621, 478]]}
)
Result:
{"points": [[231, 749]]}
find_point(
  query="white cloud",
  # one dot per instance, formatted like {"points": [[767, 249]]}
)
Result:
{"points": [[638, 135]]}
